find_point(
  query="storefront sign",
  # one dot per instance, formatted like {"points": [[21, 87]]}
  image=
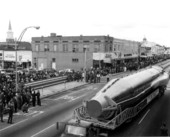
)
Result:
{"points": [[104, 56], [9, 56], [1, 55], [24, 56]]}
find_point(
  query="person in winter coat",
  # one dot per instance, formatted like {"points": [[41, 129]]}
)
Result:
{"points": [[11, 111], [33, 98], [38, 98]]}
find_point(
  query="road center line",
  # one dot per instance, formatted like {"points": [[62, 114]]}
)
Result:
{"points": [[42, 130], [13, 125], [143, 117]]}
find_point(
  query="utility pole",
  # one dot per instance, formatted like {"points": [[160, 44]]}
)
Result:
{"points": [[85, 62]]}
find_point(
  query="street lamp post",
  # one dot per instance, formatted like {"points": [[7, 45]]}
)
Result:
{"points": [[16, 44], [85, 62]]}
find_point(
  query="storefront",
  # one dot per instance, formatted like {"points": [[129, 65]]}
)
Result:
{"points": [[24, 59], [1, 59], [103, 59]]}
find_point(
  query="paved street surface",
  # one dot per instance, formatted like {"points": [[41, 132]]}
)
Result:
{"points": [[40, 121]]}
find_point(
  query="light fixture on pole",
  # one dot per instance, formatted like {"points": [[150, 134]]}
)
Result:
{"points": [[16, 44]]}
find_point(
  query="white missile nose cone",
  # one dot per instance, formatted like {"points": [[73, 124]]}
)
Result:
{"points": [[94, 108]]}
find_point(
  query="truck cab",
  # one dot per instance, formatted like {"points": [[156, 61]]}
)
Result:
{"points": [[78, 128]]}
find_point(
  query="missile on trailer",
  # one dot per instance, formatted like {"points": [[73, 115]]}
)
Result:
{"points": [[125, 92]]}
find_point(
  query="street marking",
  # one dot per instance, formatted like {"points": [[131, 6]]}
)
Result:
{"points": [[42, 130], [40, 112], [13, 125], [76, 98], [143, 117]]}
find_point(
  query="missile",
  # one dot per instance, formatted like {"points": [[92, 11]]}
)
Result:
{"points": [[125, 92]]}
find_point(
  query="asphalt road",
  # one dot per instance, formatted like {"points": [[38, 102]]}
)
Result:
{"points": [[40, 121]]}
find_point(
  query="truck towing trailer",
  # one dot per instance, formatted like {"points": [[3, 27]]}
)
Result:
{"points": [[116, 103]]}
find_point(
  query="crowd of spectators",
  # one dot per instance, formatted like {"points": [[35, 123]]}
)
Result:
{"points": [[24, 96]]}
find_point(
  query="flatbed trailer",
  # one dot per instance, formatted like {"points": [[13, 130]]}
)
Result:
{"points": [[94, 127]]}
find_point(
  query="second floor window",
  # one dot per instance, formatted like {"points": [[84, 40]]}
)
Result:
{"points": [[37, 47], [65, 47], [46, 47], [55, 47], [97, 48], [75, 48]]}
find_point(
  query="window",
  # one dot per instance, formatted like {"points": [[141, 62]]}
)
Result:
{"points": [[96, 47], [55, 47], [75, 60], [53, 59], [111, 48], [87, 48], [46, 47], [36, 47], [35, 62], [75, 48], [65, 47], [105, 48]]}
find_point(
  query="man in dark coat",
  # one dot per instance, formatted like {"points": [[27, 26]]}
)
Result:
{"points": [[33, 98], [11, 111], [38, 98], [1, 110]]}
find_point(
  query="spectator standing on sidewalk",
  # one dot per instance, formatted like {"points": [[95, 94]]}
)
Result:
{"points": [[108, 79], [11, 111], [1, 110], [33, 98], [98, 78], [38, 98]]}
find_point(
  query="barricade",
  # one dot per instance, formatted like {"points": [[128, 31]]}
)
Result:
{"points": [[47, 82]]}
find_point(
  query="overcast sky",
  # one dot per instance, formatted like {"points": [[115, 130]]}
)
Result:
{"points": [[125, 19]]}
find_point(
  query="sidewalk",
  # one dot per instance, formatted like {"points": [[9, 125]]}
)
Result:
{"points": [[45, 92]]}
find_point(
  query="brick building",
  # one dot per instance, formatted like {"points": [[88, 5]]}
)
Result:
{"points": [[60, 52], [63, 52]]}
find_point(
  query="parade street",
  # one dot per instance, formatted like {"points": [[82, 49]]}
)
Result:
{"points": [[41, 120]]}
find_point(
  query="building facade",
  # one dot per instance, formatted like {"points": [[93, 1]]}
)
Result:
{"points": [[63, 52], [60, 52]]}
